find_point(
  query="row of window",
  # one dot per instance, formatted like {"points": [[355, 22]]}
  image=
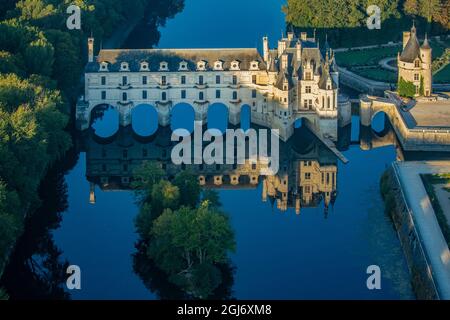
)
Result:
{"points": [[183, 66], [201, 95], [201, 80]]}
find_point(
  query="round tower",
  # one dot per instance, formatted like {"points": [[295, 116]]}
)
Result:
{"points": [[426, 57]]}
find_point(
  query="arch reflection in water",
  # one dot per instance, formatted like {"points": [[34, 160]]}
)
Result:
{"points": [[182, 117], [307, 175], [105, 120], [218, 117], [144, 120], [246, 117]]}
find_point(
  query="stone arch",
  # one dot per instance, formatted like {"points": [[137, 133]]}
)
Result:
{"points": [[144, 120], [182, 116], [379, 123], [246, 117], [104, 119], [217, 116]]}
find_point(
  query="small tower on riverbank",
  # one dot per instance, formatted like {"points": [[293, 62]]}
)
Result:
{"points": [[414, 63]]}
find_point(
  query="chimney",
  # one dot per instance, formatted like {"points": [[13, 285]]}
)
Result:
{"points": [[266, 49], [290, 36], [284, 61], [303, 36], [92, 193], [91, 49], [281, 47], [298, 47], [406, 36]]}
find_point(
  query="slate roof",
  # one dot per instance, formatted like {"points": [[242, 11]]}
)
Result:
{"points": [[412, 49], [174, 56]]}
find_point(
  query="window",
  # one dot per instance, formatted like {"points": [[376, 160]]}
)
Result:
{"points": [[217, 79], [417, 64], [183, 94], [163, 66], [235, 95], [307, 189], [164, 96], [254, 79], [307, 75], [416, 77], [124, 96], [144, 80], [183, 65], [144, 66], [183, 79], [328, 102], [254, 94], [125, 167], [234, 80], [217, 94], [103, 167], [103, 153], [305, 104], [103, 80], [310, 103], [201, 96], [124, 66], [308, 89], [285, 87], [163, 80], [308, 176], [144, 153], [253, 166], [125, 153], [103, 95], [200, 80], [144, 94], [124, 80], [285, 100]]}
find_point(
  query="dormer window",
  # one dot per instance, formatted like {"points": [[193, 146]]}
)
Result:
{"points": [[218, 65], [201, 65], [417, 64], [254, 65], [144, 66], [234, 65], [124, 66], [163, 66], [104, 66], [183, 66]]}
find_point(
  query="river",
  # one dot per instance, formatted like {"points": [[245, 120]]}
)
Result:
{"points": [[321, 253]]}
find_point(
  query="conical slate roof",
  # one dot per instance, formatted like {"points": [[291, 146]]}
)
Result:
{"points": [[412, 49]]}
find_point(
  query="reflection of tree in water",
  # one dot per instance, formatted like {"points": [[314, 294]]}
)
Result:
{"points": [[185, 238], [146, 33], [35, 270], [158, 282]]}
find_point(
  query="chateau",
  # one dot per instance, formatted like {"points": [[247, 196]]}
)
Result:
{"points": [[414, 63], [297, 80]]}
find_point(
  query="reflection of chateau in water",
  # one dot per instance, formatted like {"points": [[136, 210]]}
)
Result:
{"points": [[307, 173]]}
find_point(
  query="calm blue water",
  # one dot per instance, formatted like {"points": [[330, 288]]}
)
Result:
{"points": [[280, 255]]}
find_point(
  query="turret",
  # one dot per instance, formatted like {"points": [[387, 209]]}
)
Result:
{"points": [[90, 49], [266, 49], [426, 53]]}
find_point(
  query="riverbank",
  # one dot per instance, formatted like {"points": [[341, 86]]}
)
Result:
{"points": [[424, 245]]}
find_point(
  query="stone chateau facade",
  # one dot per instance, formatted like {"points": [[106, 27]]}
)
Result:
{"points": [[415, 62], [296, 80]]}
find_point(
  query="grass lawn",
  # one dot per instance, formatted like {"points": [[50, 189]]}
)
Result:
{"points": [[365, 57], [377, 74], [442, 76]]}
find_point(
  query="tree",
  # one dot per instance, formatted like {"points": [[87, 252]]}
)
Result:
{"points": [[411, 7], [406, 88], [39, 58], [189, 188], [187, 243], [164, 195]]}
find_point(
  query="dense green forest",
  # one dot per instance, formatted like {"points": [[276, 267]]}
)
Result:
{"points": [[40, 68], [344, 21]]}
